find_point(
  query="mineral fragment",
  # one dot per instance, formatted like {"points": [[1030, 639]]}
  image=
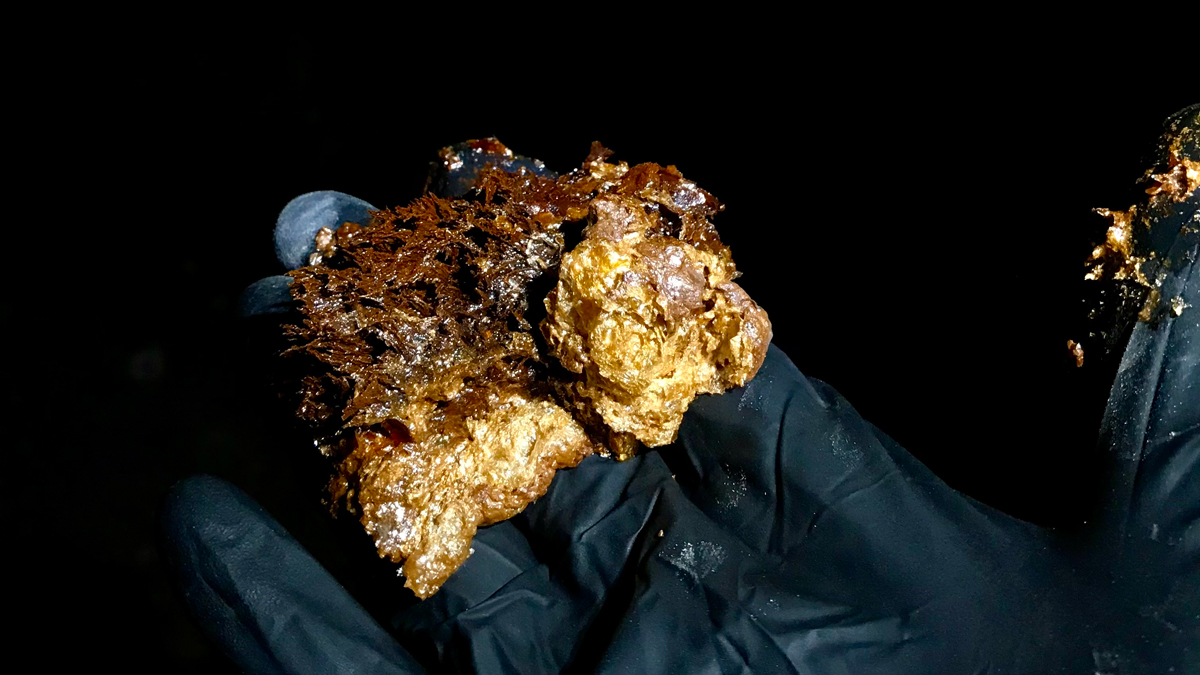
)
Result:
{"points": [[424, 373], [1076, 351]]}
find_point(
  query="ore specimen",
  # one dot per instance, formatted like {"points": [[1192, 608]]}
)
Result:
{"points": [[426, 380]]}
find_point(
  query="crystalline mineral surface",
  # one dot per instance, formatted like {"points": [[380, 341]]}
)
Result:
{"points": [[452, 356]]}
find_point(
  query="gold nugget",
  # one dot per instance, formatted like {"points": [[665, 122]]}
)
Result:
{"points": [[445, 396]]}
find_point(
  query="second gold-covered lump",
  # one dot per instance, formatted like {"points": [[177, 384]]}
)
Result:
{"points": [[647, 320]]}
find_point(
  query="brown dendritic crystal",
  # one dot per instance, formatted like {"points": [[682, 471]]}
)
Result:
{"points": [[443, 403]]}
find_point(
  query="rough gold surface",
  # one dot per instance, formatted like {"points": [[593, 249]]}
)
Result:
{"points": [[650, 322], [423, 500]]}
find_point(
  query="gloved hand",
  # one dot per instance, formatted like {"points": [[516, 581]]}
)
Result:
{"points": [[781, 533]]}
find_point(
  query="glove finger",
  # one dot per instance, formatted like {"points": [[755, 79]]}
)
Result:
{"points": [[474, 623], [305, 215], [573, 563], [771, 459], [842, 565], [1151, 425], [677, 596], [617, 565], [536, 582], [1146, 548], [644, 576], [789, 467], [260, 595], [269, 295]]}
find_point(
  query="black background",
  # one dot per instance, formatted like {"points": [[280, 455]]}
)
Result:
{"points": [[914, 219]]}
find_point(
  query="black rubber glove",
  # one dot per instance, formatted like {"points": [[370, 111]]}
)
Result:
{"points": [[781, 533]]}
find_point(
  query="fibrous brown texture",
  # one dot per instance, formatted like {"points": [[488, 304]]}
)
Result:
{"points": [[430, 386]]}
